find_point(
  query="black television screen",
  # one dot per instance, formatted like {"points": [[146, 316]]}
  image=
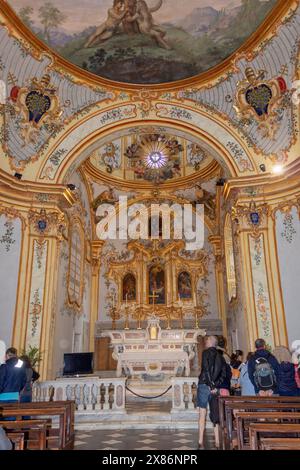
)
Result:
{"points": [[78, 363]]}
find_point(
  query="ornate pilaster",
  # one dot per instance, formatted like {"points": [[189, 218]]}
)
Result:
{"points": [[216, 241], [96, 249], [36, 299], [260, 273]]}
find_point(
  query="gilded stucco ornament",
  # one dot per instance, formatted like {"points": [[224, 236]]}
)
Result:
{"points": [[259, 99], [38, 105], [251, 217], [46, 223]]}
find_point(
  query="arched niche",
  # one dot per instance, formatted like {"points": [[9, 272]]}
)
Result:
{"points": [[184, 286], [129, 288], [157, 285]]}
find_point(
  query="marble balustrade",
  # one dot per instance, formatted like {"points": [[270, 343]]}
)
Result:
{"points": [[90, 394], [109, 395]]}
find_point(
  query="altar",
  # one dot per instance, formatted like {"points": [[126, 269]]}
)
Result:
{"points": [[154, 351]]}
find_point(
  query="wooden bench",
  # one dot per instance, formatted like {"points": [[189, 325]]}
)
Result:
{"points": [[34, 431], [227, 405], [256, 429], [17, 439], [57, 438], [279, 443], [244, 419]]}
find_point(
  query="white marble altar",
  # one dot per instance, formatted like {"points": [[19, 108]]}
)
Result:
{"points": [[153, 351]]}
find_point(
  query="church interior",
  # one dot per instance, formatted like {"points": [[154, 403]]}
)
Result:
{"points": [[101, 109]]}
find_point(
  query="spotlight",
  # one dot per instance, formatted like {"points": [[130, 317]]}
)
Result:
{"points": [[221, 182], [277, 169], [262, 167], [71, 187], [18, 176]]}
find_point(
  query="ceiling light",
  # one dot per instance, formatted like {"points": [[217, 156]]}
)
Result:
{"points": [[277, 169]]}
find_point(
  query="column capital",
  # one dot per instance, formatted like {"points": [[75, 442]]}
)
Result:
{"points": [[251, 217], [44, 223], [96, 249]]}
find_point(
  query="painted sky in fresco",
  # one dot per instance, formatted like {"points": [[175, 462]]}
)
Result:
{"points": [[82, 14]]}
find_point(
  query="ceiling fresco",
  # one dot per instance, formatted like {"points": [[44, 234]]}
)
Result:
{"points": [[154, 158], [144, 41]]}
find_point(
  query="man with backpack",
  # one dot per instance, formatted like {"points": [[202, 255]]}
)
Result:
{"points": [[263, 370]]}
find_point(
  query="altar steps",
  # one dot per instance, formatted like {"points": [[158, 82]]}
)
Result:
{"points": [[140, 415]]}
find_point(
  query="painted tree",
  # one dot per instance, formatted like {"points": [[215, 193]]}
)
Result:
{"points": [[50, 17], [25, 15]]}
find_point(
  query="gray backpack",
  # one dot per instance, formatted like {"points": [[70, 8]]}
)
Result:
{"points": [[264, 374]]}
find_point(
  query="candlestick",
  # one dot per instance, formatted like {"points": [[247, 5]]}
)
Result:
{"points": [[126, 326]]}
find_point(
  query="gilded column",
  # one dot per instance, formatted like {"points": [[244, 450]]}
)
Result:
{"points": [[96, 249], [216, 242], [260, 274], [36, 299]]}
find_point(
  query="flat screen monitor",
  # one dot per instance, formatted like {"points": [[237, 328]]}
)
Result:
{"points": [[78, 363]]}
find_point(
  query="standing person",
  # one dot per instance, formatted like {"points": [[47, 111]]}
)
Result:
{"points": [[31, 376], [12, 377], [263, 369], [224, 387], [287, 386], [236, 360], [247, 387], [212, 374]]}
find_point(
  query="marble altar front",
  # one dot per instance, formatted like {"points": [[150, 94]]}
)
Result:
{"points": [[153, 351]]}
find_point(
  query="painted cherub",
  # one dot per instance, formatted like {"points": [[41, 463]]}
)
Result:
{"points": [[106, 30]]}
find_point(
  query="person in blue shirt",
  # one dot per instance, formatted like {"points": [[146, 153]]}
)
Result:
{"points": [[247, 387], [12, 377]]}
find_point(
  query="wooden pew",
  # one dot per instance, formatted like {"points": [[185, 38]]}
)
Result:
{"points": [[256, 429], [244, 419], [58, 438], [17, 439], [34, 431], [228, 404], [279, 443]]}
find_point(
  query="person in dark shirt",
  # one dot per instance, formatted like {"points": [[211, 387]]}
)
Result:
{"points": [[287, 385], [212, 375], [31, 375], [263, 355], [12, 377]]}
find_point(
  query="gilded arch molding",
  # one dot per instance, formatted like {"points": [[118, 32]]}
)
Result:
{"points": [[77, 141]]}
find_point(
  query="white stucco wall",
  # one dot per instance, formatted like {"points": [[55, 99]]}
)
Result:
{"points": [[10, 246], [288, 247]]}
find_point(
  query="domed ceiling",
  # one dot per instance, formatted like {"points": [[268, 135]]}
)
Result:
{"points": [[152, 157], [144, 41]]}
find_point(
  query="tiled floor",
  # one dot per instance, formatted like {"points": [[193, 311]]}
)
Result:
{"points": [[158, 439]]}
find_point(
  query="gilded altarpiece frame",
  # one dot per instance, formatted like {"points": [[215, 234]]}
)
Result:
{"points": [[172, 263]]}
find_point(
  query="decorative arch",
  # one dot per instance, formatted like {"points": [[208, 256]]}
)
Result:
{"points": [[69, 149], [229, 258]]}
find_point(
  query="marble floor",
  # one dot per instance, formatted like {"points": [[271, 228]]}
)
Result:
{"points": [[157, 439]]}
